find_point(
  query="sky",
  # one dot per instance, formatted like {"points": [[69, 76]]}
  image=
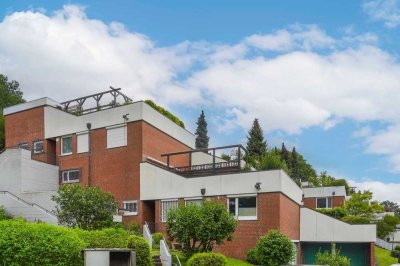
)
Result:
{"points": [[323, 76]]}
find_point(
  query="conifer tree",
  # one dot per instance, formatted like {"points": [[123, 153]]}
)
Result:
{"points": [[256, 145], [202, 132], [285, 155], [294, 166]]}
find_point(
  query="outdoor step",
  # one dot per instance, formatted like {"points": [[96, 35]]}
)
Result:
{"points": [[157, 260]]}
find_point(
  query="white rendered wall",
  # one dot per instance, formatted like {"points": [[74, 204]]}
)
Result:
{"points": [[317, 227], [315, 192], [59, 123], [204, 158], [157, 183]]}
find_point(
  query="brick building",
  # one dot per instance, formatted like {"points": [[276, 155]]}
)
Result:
{"points": [[150, 165]]}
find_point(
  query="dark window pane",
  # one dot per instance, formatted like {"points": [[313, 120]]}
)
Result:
{"points": [[329, 203], [248, 206], [232, 206], [321, 203]]}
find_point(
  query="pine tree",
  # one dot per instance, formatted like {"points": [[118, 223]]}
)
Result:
{"points": [[256, 145], [294, 166], [285, 155], [201, 132]]}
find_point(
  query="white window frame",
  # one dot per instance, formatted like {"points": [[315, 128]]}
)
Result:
{"points": [[34, 147], [62, 145], [242, 218], [69, 171], [197, 201], [326, 202], [125, 140], [163, 213], [129, 213], [23, 145]]}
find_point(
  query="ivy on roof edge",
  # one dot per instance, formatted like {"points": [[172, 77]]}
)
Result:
{"points": [[166, 113]]}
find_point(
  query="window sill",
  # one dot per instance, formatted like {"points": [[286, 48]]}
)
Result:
{"points": [[248, 218], [66, 154], [130, 213], [109, 148], [70, 182]]}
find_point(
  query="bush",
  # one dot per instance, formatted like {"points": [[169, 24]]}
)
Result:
{"points": [[351, 219], [275, 249], [23, 243], [337, 212], [397, 248], [157, 237], [106, 238], [4, 215], [166, 113], [336, 259], [395, 253], [142, 250], [134, 228], [252, 256], [207, 259]]}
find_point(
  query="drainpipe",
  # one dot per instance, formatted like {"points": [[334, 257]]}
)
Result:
{"points": [[89, 126]]}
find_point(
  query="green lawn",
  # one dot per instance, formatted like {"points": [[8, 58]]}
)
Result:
{"points": [[383, 257]]}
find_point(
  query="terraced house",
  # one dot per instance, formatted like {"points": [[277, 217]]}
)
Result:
{"points": [[150, 165]]}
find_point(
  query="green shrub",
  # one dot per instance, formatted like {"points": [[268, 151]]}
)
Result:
{"points": [[275, 249], [142, 250], [207, 259], [252, 256], [336, 259], [351, 219], [134, 228], [337, 212], [4, 215], [397, 248], [157, 237], [23, 243], [166, 113], [105, 238], [395, 253]]}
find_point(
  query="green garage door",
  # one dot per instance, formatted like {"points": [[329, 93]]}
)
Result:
{"points": [[357, 252]]}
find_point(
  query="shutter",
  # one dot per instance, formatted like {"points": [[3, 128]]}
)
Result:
{"points": [[83, 143], [116, 137]]}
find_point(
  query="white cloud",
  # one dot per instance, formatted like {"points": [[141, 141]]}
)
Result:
{"points": [[381, 191], [387, 11]]}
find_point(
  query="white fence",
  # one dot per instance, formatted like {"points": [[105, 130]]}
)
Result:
{"points": [[166, 258], [147, 235], [386, 245]]}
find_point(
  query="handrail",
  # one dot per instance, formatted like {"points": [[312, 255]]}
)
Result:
{"points": [[147, 235], [165, 254], [29, 203], [179, 261]]}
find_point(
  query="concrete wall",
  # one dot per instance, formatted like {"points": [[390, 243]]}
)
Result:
{"points": [[316, 192], [204, 158], [317, 227], [157, 183]]}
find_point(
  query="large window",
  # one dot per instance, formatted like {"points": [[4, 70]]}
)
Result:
{"points": [[37, 146], [66, 145], [82, 142], [167, 205], [131, 207], [70, 176], [323, 203], [245, 208], [195, 201], [116, 136]]}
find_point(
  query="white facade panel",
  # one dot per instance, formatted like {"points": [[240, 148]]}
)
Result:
{"points": [[116, 137], [29, 105], [157, 183], [199, 158], [83, 142], [316, 192], [317, 227]]}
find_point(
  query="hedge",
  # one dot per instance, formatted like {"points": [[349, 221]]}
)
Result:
{"points": [[105, 238], [166, 113], [4, 215], [207, 259], [252, 256], [23, 243], [142, 250]]}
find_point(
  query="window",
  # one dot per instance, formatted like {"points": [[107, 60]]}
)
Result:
{"points": [[66, 145], [323, 203], [70, 176], [245, 208], [82, 142], [116, 136], [167, 205], [130, 207], [197, 201], [23, 145], [37, 146]]}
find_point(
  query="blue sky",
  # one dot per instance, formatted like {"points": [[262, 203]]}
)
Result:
{"points": [[323, 76]]}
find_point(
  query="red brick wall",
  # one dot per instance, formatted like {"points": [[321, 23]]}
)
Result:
{"points": [[310, 203], [337, 201]]}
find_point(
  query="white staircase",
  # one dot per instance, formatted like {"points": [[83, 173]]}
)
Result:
{"points": [[19, 207]]}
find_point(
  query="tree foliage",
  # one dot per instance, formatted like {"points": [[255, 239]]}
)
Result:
{"points": [[199, 227], [202, 137], [256, 145], [361, 204], [4, 215], [391, 206], [10, 94], [386, 225], [88, 208], [271, 161], [274, 249]]}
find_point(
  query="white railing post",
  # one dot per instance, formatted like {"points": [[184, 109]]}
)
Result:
{"points": [[166, 258], [147, 235]]}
